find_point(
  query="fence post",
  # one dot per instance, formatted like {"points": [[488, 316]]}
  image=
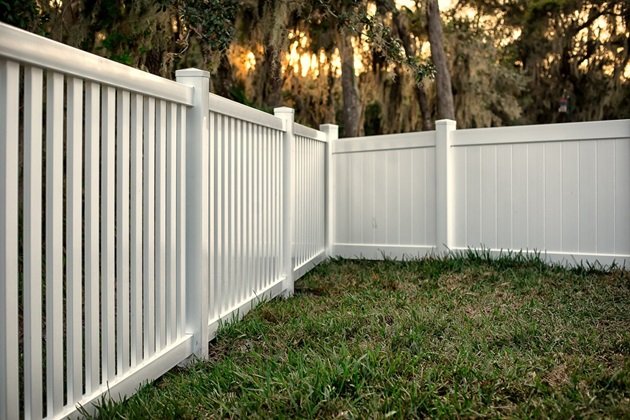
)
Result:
{"points": [[288, 204], [332, 134], [197, 206], [444, 185]]}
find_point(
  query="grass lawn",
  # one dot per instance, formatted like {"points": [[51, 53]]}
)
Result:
{"points": [[462, 337]]}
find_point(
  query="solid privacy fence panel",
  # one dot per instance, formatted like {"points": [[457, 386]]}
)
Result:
{"points": [[564, 189], [137, 214], [561, 190], [384, 195]]}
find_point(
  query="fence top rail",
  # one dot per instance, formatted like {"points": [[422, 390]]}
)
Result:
{"points": [[386, 142], [544, 133], [308, 132], [31, 49], [227, 107]]}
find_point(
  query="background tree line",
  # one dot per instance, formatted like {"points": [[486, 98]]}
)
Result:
{"points": [[374, 67]]}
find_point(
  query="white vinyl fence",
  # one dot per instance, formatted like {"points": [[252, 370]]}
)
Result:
{"points": [[310, 199], [562, 190], [138, 213]]}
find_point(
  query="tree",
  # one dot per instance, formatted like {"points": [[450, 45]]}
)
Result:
{"points": [[402, 30], [445, 106]]}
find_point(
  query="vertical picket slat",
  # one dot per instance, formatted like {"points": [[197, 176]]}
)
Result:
{"points": [[231, 213], [256, 207], [122, 231], [322, 201], [92, 256], [148, 280], [236, 281], [276, 194], [239, 213], [54, 242], [216, 199], [265, 204], [268, 204], [74, 248], [135, 261], [108, 262], [181, 219], [160, 228], [304, 199], [222, 221], [259, 212], [171, 220], [314, 199], [33, 86], [9, 365], [274, 201], [251, 276], [279, 203], [246, 185], [299, 194], [221, 218]]}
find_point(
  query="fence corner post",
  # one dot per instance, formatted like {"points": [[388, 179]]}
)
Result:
{"points": [[444, 185], [197, 206], [288, 203], [332, 134]]}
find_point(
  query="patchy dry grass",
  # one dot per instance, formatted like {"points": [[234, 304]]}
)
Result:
{"points": [[462, 337]]}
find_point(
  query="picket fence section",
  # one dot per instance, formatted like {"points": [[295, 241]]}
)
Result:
{"points": [[138, 214], [90, 175], [310, 199]]}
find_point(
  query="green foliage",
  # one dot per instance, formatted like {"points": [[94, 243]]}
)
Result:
{"points": [[20, 13], [211, 20]]}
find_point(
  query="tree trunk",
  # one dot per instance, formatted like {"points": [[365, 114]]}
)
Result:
{"points": [[421, 95], [351, 104], [445, 107]]}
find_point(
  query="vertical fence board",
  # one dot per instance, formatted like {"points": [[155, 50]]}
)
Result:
{"points": [[249, 209], [9, 393], [238, 243], [504, 197], [33, 86], [92, 254], [148, 279], [536, 196], [588, 191], [553, 196], [488, 196], [74, 248], [605, 197], [54, 242], [213, 227], [122, 232], [225, 219], [160, 226], [256, 215], [135, 259], [218, 215], [570, 197], [181, 219], [171, 220], [231, 293], [108, 197]]}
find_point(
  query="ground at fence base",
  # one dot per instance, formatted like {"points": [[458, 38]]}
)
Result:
{"points": [[456, 337]]}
